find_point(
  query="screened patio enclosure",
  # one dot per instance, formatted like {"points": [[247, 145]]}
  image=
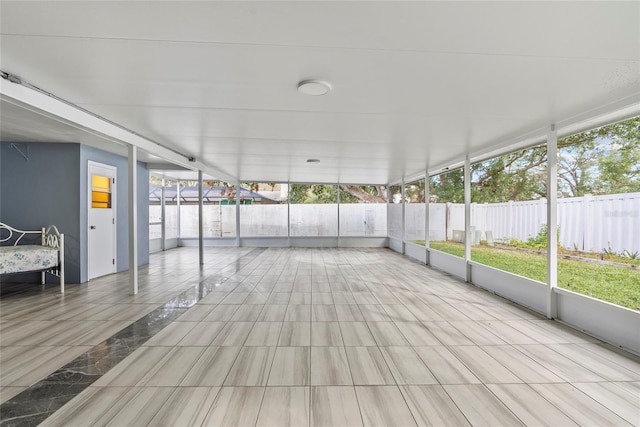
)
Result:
{"points": [[467, 221]]}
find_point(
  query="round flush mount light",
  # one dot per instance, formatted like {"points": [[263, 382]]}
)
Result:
{"points": [[313, 160], [314, 87]]}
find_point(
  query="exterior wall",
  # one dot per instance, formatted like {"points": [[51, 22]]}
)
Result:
{"points": [[50, 187], [122, 207], [43, 190]]}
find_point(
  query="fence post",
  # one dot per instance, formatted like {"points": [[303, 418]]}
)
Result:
{"points": [[588, 227]]}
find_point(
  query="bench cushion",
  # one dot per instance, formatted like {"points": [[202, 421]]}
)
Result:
{"points": [[15, 259]]}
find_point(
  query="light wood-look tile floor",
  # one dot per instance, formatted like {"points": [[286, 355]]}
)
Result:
{"points": [[317, 337]]}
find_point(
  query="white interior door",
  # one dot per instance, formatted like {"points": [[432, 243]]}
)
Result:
{"points": [[102, 224]]}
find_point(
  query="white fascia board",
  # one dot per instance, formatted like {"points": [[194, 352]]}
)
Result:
{"points": [[51, 107]]}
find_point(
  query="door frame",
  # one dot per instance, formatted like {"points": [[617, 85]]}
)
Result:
{"points": [[114, 170]]}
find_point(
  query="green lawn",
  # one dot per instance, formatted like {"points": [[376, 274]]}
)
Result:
{"points": [[609, 283]]}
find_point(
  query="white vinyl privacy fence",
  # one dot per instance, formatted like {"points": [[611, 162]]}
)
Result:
{"points": [[590, 223], [310, 220]]}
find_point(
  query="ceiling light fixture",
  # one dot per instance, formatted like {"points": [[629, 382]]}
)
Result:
{"points": [[313, 160], [314, 87]]}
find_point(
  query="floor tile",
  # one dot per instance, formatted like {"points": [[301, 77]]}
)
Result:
{"points": [[212, 367], [298, 313], [300, 298], [291, 367], [430, 405], [477, 333], [480, 406], [134, 367], [343, 298], [187, 406], [386, 334], [235, 298], [202, 334], [329, 366], [222, 313], [368, 366], [235, 406], [348, 313], [417, 334], [447, 334], [483, 366], [604, 367], [529, 406], [88, 408], [278, 298], [285, 406], [321, 298], [374, 313], [247, 313], [273, 313], [252, 367], [407, 367], [142, 404], [233, 334], [326, 334], [577, 405], [334, 406], [295, 334], [356, 334], [445, 366], [383, 406], [264, 334], [559, 364], [172, 368], [323, 313], [524, 367], [399, 313], [619, 398]]}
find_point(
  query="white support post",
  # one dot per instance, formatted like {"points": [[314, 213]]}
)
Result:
{"points": [[402, 191], [552, 221], [163, 213], [467, 216], [427, 196], [178, 208], [238, 199], [289, 214], [200, 220], [338, 206], [133, 219]]}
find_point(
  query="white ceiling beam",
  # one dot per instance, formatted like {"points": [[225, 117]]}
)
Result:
{"points": [[50, 106]]}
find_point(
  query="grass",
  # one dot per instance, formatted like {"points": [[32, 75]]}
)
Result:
{"points": [[617, 285]]}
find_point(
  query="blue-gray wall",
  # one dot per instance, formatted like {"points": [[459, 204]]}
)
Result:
{"points": [[122, 207], [43, 190], [51, 188]]}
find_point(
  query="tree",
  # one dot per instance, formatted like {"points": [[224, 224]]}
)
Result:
{"points": [[604, 160], [363, 193]]}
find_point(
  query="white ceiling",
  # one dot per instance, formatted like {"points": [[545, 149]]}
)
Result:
{"points": [[415, 84]]}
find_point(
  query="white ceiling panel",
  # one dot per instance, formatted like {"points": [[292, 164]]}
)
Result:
{"points": [[414, 84]]}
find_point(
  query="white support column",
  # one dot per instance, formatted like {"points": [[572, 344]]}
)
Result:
{"points": [[552, 221], [238, 198], [289, 215], [402, 191], [467, 216], [426, 215], [163, 213], [200, 220], [338, 206], [133, 219], [178, 208]]}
